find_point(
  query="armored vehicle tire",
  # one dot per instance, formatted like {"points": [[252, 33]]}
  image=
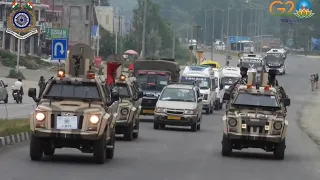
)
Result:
{"points": [[36, 150], [99, 152], [48, 150], [199, 125], [279, 150], [194, 126], [226, 146], [136, 129], [6, 100], [208, 110], [128, 134], [156, 125], [110, 147], [162, 126], [217, 105]]}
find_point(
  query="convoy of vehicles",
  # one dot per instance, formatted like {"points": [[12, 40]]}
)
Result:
{"points": [[89, 118], [153, 76], [256, 118], [179, 105], [206, 82]]}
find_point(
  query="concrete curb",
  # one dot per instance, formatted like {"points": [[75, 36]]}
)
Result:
{"points": [[14, 139]]}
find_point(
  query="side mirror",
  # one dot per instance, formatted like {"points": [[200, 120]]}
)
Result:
{"points": [[6, 85], [200, 99], [226, 96], [286, 102], [32, 92], [140, 94]]}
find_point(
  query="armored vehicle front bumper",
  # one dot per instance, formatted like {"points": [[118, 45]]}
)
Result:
{"points": [[69, 134], [175, 120], [147, 106], [254, 137]]}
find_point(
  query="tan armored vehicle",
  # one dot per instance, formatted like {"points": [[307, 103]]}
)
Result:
{"points": [[256, 118], [129, 107], [74, 110]]}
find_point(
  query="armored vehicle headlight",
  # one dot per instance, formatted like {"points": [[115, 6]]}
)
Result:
{"points": [[277, 125], [94, 119], [40, 116], [124, 111], [232, 122]]}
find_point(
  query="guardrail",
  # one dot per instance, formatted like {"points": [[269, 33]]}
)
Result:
{"points": [[16, 111]]}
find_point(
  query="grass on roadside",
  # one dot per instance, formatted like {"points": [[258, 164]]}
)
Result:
{"points": [[13, 126]]}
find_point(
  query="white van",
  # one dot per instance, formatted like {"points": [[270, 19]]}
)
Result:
{"points": [[205, 79], [218, 74], [230, 76]]}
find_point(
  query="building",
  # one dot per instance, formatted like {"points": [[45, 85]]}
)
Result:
{"points": [[30, 45], [105, 17]]}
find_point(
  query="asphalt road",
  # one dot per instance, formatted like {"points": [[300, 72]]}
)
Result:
{"points": [[182, 155]]}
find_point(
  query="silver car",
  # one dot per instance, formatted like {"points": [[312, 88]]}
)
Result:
{"points": [[179, 105], [3, 92]]}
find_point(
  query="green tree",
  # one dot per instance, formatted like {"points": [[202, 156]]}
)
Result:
{"points": [[107, 43], [153, 42]]}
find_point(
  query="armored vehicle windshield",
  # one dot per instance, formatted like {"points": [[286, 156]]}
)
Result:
{"points": [[64, 89], [261, 100]]}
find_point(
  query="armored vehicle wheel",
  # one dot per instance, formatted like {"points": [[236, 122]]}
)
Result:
{"points": [[136, 129], [279, 150], [99, 152], [156, 125], [217, 105], [194, 126], [162, 126], [36, 150], [128, 134], [199, 126], [6, 100], [208, 110], [110, 147], [48, 150], [226, 146]]}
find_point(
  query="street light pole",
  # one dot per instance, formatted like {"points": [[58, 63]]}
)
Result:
{"points": [[205, 26], [241, 28], [222, 27], [228, 24], [98, 43], [213, 20], [144, 29]]}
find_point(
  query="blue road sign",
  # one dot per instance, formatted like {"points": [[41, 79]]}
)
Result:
{"points": [[59, 50]]}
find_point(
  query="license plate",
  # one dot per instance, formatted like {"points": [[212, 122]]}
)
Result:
{"points": [[174, 117], [67, 122], [148, 111]]}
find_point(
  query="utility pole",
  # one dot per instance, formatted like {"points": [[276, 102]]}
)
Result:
{"points": [[205, 26], [228, 25], [213, 20], [197, 36], [98, 43], [241, 28], [120, 34], [174, 37], [116, 41], [144, 29], [222, 27]]}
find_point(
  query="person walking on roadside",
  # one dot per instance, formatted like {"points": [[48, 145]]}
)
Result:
{"points": [[312, 80]]}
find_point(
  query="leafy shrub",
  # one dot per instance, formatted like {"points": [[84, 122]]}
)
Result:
{"points": [[13, 74], [30, 62]]}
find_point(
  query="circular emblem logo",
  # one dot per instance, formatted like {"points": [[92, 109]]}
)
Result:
{"points": [[22, 20]]}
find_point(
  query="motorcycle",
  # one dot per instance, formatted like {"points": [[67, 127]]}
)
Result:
{"points": [[17, 96]]}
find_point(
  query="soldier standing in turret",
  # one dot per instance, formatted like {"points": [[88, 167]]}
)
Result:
{"points": [[272, 81]]}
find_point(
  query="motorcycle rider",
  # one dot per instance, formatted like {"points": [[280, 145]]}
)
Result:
{"points": [[18, 86]]}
